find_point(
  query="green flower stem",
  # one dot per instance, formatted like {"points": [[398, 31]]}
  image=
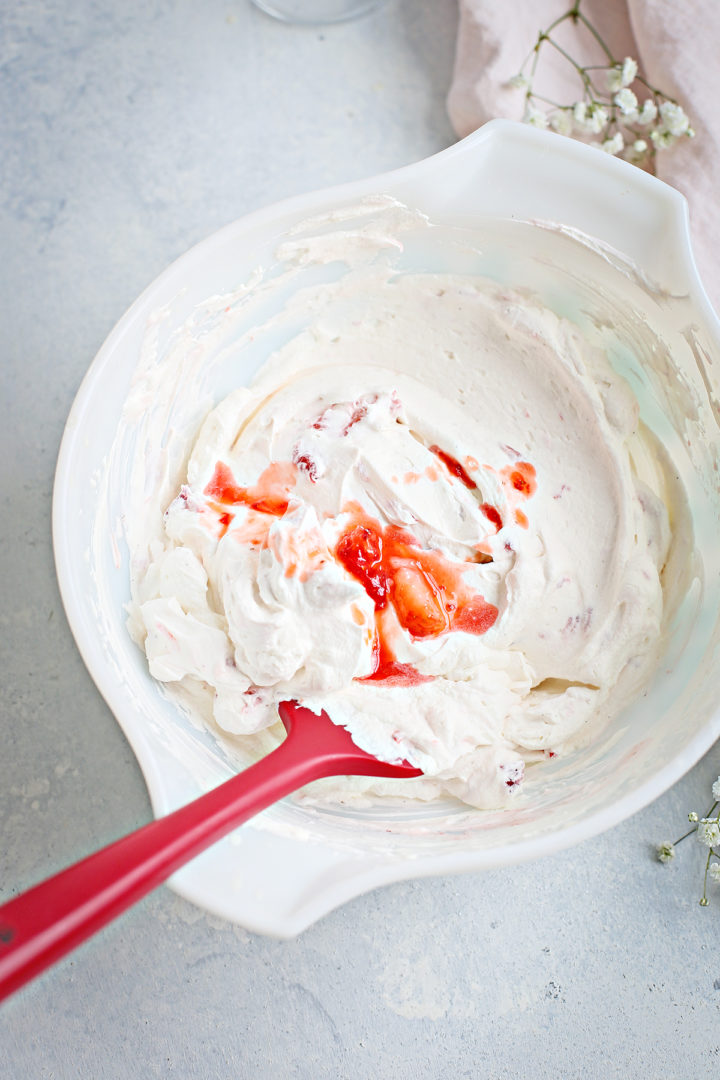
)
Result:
{"points": [[533, 69], [549, 101], [685, 836], [657, 94], [704, 900], [580, 70], [708, 817], [572, 14], [589, 26]]}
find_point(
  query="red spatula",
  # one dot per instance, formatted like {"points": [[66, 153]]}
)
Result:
{"points": [[50, 919]]}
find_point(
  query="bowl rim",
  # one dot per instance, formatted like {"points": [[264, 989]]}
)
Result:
{"points": [[384, 871]]}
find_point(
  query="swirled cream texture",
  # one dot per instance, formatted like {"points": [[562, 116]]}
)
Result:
{"points": [[434, 514]]}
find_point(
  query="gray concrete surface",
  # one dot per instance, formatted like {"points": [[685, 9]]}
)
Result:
{"points": [[129, 132]]}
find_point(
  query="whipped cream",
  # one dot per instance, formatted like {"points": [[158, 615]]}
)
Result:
{"points": [[435, 514]]}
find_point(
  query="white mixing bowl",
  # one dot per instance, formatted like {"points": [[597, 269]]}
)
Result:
{"points": [[607, 246]]}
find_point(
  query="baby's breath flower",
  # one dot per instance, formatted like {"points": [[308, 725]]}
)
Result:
{"points": [[561, 121], [614, 79], [591, 119], [708, 832], [629, 70], [614, 145], [534, 116], [662, 140], [597, 118], [621, 75], [665, 852], [580, 113], [674, 118], [626, 103], [636, 151], [608, 114], [647, 113]]}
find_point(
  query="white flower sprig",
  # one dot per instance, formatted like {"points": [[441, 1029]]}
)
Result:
{"points": [[608, 114], [707, 833]]}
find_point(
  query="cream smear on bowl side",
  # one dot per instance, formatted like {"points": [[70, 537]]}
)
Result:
{"points": [[434, 512]]}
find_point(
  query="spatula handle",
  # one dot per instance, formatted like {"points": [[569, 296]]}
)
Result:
{"points": [[41, 925]]}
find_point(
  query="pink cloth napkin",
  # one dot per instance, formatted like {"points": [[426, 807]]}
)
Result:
{"points": [[676, 43]]}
